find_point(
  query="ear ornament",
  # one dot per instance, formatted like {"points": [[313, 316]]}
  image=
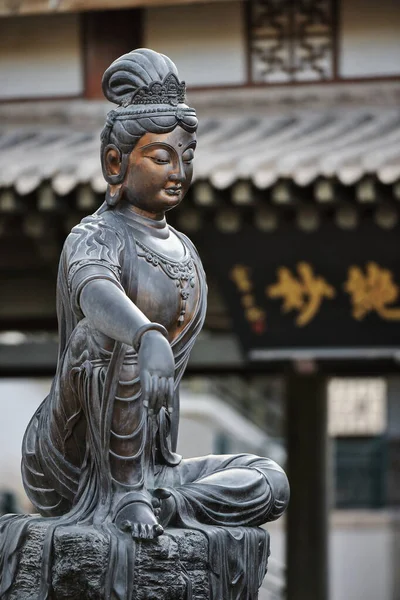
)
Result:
{"points": [[113, 199]]}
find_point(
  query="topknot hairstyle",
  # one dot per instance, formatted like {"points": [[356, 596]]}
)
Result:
{"points": [[135, 70], [150, 98]]}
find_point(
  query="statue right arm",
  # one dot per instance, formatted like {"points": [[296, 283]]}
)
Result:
{"points": [[92, 255], [110, 311]]}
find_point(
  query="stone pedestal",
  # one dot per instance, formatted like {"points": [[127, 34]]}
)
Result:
{"points": [[173, 567]]}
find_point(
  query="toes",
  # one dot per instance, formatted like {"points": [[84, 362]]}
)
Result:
{"points": [[126, 526], [136, 531], [142, 532], [146, 532]]}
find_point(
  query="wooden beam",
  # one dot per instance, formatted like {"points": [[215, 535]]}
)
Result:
{"points": [[30, 7]]}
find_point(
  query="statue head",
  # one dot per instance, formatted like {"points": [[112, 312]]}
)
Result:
{"points": [[148, 142]]}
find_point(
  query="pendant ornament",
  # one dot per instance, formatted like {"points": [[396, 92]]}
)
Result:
{"points": [[183, 273]]}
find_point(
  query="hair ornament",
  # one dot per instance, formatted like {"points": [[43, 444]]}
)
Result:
{"points": [[169, 91], [108, 125], [181, 113]]}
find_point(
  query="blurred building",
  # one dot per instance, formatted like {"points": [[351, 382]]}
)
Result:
{"points": [[295, 211]]}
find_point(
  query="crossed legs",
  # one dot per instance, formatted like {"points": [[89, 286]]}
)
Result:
{"points": [[231, 490]]}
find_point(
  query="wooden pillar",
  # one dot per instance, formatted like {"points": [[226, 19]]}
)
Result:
{"points": [[106, 36], [308, 468]]}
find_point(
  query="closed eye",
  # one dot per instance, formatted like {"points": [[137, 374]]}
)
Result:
{"points": [[159, 161], [159, 156], [188, 156]]}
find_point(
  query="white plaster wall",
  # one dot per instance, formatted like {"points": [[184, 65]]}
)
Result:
{"points": [[362, 562], [277, 532], [361, 565], [369, 43], [40, 56], [362, 555], [206, 41]]}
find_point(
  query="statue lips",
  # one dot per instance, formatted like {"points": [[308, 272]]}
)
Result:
{"points": [[174, 190]]}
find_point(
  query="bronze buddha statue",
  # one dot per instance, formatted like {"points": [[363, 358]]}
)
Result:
{"points": [[131, 300]]}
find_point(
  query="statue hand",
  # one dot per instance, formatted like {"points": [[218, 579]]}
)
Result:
{"points": [[156, 371]]}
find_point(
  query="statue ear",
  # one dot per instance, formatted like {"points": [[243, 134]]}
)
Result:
{"points": [[114, 165], [112, 161]]}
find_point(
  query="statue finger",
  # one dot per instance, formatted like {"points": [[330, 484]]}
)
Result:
{"points": [[170, 395], [154, 391], [146, 388], [163, 390], [161, 393]]}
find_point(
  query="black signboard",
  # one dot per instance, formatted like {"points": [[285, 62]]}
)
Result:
{"points": [[327, 293]]}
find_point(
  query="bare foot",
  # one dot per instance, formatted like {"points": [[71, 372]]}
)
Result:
{"points": [[165, 506], [139, 520]]}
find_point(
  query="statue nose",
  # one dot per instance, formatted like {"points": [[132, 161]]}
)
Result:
{"points": [[178, 174]]}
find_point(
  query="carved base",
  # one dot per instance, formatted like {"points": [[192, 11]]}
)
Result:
{"points": [[174, 567]]}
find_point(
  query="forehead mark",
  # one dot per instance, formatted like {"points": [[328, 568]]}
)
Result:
{"points": [[180, 144]]}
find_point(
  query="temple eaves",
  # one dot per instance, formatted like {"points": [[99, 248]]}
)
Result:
{"points": [[341, 144], [29, 7]]}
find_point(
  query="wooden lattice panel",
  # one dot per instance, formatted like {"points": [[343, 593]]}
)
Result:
{"points": [[291, 40]]}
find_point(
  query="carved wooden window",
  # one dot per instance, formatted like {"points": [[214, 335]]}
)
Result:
{"points": [[291, 40], [357, 406]]}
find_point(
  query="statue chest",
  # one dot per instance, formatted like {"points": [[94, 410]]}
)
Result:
{"points": [[168, 290]]}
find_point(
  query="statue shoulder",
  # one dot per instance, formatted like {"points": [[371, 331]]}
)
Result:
{"points": [[97, 237]]}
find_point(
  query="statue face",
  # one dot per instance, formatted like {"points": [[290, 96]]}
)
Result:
{"points": [[160, 170]]}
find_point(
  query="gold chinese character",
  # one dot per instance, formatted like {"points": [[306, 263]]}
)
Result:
{"points": [[241, 277], [304, 294], [256, 317], [254, 314], [247, 300], [372, 292]]}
